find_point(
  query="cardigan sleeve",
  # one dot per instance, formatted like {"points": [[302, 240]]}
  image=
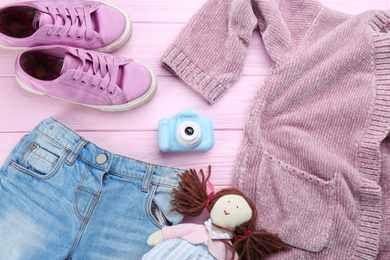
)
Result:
{"points": [[210, 51]]}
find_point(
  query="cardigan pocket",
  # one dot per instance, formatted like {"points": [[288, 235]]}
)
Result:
{"points": [[295, 204]]}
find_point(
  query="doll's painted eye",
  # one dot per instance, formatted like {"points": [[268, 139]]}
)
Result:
{"points": [[237, 206], [229, 201]]}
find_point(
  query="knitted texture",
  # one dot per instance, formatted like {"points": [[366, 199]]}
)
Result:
{"points": [[315, 156]]}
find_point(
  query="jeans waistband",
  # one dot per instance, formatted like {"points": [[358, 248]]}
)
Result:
{"points": [[78, 147]]}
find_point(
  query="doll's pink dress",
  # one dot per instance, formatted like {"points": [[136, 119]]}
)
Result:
{"points": [[177, 245]]}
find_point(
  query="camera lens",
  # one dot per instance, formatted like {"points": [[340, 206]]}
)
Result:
{"points": [[189, 131]]}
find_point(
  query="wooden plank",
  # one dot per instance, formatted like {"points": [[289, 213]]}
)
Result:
{"points": [[143, 146], [257, 61], [134, 133], [174, 11], [157, 24], [181, 11], [25, 110], [148, 44]]}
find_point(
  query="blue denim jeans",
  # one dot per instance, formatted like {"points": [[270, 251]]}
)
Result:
{"points": [[62, 197]]}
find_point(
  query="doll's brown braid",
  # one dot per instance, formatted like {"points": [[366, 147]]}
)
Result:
{"points": [[192, 199], [256, 245]]}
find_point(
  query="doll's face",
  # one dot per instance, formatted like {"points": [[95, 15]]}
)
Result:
{"points": [[230, 211]]}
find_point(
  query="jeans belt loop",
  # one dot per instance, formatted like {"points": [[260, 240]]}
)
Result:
{"points": [[148, 178], [76, 151]]}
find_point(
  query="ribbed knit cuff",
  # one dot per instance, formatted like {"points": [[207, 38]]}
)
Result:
{"points": [[179, 62], [369, 152]]}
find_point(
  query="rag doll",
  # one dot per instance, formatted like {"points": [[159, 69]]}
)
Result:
{"points": [[228, 234]]}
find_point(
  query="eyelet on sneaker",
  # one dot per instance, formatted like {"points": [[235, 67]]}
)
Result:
{"points": [[76, 64], [48, 34], [92, 85], [89, 40], [68, 36], [111, 93], [78, 37], [58, 35], [83, 81]]}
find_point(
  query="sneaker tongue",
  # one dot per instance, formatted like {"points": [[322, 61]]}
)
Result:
{"points": [[40, 19], [70, 62]]}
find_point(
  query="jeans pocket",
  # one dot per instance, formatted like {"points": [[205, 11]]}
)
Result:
{"points": [[38, 158], [159, 206], [295, 204]]}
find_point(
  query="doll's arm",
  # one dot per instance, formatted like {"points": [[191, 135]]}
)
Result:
{"points": [[172, 232], [155, 238]]}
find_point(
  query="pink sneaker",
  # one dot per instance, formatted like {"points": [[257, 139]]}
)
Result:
{"points": [[98, 80], [89, 25]]}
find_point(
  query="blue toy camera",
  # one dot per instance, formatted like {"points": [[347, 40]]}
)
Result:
{"points": [[188, 131]]}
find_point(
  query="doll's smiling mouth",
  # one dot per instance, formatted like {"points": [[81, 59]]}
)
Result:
{"points": [[226, 212]]}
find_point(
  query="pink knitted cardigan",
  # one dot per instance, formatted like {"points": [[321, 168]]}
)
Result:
{"points": [[315, 156]]}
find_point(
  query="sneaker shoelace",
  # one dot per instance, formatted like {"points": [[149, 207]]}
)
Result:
{"points": [[101, 70], [70, 21]]}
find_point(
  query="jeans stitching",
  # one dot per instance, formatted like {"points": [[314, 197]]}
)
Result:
{"points": [[66, 127], [51, 139], [52, 173], [129, 177], [76, 210], [145, 184], [150, 174], [91, 164], [25, 155], [103, 149], [149, 201], [42, 157], [76, 240], [32, 147], [126, 157], [141, 179], [125, 176], [74, 154], [82, 228], [84, 175], [94, 200], [97, 196], [90, 209]]}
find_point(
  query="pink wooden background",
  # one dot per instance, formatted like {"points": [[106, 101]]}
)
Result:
{"points": [[134, 133]]}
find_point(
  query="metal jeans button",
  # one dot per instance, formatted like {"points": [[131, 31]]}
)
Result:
{"points": [[101, 158]]}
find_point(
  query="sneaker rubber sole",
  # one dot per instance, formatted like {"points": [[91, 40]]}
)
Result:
{"points": [[123, 107]]}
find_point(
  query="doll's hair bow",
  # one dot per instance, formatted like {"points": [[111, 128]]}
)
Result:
{"points": [[212, 191], [247, 233]]}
